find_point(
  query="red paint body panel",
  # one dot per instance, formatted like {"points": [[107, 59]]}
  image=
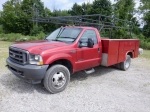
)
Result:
{"points": [[82, 58], [121, 52], [136, 53], [89, 57], [118, 48]]}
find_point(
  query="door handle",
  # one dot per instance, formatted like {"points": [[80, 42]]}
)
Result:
{"points": [[98, 49]]}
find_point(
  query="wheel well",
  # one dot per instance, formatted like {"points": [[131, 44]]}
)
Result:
{"points": [[130, 54], [64, 62]]}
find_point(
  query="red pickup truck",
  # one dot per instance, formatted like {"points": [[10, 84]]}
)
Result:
{"points": [[65, 51]]}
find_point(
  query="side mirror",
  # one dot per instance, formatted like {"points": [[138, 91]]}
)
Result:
{"points": [[86, 43], [90, 43]]}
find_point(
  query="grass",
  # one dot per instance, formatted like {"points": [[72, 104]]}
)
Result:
{"points": [[146, 54], [3, 53], [4, 44]]}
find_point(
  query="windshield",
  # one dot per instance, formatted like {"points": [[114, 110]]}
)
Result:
{"points": [[67, 35]]}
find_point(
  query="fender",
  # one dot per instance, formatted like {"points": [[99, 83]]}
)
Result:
{"points": [[59, 56], [127, 53]]}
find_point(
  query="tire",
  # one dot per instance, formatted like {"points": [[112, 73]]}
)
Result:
{"points": [[56, 78], [126, 64], [117, 65]]}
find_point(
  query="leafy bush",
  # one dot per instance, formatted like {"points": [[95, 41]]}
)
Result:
{"points": [[36, 30], [141, 36], [1, 29], [105, 33], [12, 37], [148, 39], [40, 36], [134, 36], [144, 44], [148, 45], [120, 34]]}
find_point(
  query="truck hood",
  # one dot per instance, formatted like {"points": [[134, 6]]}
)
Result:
{"points": [[39, 45]]}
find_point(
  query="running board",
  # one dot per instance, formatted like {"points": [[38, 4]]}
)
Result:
{"points": [[89, 71]]}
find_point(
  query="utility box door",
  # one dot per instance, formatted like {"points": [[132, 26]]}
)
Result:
{"points": [[121, 53], [113, 52], [109, 52]]}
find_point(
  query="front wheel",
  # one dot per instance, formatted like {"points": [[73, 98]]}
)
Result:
{"points": [[126, 64], [56, 78]]}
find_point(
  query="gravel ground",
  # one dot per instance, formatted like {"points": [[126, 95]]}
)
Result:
{"points": [[106, 90]]}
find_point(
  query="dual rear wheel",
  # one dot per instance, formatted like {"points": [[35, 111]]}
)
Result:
{"points": [[124, 65]]}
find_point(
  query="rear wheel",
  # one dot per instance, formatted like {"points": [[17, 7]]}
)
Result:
{"points": [[126, 64], [56, 78], [117, 65]]}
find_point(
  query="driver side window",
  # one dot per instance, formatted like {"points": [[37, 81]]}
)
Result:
{"points": [[89, 34]]}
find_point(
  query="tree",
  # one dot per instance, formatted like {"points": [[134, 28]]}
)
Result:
{"points": [[101, 7], [32, 9], [136, 25], [86, 8], [124, 9], [11, 15], [76, 10], [16, 16], [60, 13], [145, 9], [145, 5]]}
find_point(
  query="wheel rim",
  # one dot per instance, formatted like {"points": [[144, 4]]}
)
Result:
{"points": [[58, 80], [127, 63]]}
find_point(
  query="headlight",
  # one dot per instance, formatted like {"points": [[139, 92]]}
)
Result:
{"points": [[35, 59]]}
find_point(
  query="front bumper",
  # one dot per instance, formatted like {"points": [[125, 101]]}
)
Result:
{"points": [[30, 73]]}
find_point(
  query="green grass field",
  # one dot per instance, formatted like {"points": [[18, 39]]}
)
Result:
{"points": [[3, 53], [146, 54]]}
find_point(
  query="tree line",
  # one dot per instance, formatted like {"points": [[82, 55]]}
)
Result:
{"points": [[17, 14]]}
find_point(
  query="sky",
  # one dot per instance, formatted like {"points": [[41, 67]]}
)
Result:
{"points": [[57, 4], [61, 4]]}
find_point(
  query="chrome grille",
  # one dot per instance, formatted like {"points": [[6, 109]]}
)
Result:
{"points": [[18, 55]]}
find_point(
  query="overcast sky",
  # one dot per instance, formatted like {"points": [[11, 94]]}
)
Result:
{"points": [[59, 4]]}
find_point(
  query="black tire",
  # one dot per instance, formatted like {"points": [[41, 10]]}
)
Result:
{"points": [[126, 64], [118, 65], [55, 76]]}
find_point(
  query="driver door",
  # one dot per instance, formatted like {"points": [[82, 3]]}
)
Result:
{"points": [[88, 57]]}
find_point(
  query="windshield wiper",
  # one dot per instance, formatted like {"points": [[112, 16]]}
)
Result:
{"points": [[46, 39], [57, 40], [69, 38]]}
